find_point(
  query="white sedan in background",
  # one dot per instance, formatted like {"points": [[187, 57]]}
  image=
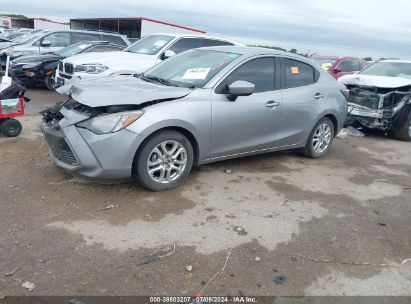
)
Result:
{"points": [[137, 58]]}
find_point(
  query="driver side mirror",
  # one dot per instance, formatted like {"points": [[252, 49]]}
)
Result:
{"points": [[240, 88], [45, 43], [336, 71], [167, 54]]}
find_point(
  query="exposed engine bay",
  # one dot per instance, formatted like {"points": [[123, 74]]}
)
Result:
{"points": [[378, 108], [53, 113]]}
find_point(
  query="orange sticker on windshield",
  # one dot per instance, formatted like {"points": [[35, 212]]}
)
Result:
{"points": [[295, 70]]}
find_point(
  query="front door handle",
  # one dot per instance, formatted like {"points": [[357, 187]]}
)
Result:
{"points": [[318, 96], [272, 104]]}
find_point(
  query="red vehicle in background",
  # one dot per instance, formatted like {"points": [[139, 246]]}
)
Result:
{"points": [[340, 66]]}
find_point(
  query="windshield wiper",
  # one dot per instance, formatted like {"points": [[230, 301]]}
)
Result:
{"points": [[156, 80]]}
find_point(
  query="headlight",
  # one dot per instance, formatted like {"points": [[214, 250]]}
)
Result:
{"points": [[91, 68], [110, 123]]}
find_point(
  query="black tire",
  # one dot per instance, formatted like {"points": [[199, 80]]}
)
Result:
{"points": [[141, 159], [11, 128], [404, 131], [49, 82], [309, 150]]}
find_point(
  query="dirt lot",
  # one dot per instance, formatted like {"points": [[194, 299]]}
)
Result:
{"points": [[280, 223]]}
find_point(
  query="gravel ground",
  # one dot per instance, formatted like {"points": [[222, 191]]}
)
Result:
{"points": [[281, 224]]}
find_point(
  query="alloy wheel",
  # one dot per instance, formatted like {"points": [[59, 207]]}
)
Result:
{"points": [[322, 138], [167, 161]]}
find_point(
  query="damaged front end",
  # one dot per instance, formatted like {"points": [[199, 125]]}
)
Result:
{"points": [[91, 125], [378, 108], [81, 137]]}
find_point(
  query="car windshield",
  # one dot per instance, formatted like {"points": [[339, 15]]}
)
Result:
{"points": [[325, 63], [389, 69], [15, 36], [74, 49], [20, 37], [149, 45], [29, 38], [193, 68]]}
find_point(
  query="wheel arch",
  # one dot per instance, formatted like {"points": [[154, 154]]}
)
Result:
{"points": [[334, 120]]}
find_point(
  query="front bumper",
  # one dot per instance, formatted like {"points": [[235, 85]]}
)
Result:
{"points": [[101, 156], [355, 110], [30, 76]]}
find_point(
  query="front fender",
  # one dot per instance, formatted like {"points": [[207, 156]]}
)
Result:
{"points": [[169, 123]]}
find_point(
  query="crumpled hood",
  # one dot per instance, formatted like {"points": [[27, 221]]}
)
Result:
{"points": [[118, 61], [375, 81], [122, 90]]}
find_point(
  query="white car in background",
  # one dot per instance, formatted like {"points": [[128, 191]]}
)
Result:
{"points": [[136, 58]]}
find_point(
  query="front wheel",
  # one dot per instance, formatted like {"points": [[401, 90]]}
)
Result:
{"points": [[164, 161], [320, 139], [50, 82]]}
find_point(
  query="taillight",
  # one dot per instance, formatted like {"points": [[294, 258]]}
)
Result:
{"points": [[346, 93]]}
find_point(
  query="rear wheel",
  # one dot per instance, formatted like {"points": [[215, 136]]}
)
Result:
{"points": [[50, 82], [164, 161], [11, 128], [320, 139], [404, 131]]}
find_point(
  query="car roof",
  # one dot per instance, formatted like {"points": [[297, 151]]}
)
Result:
{"points": [[396, 60], [96, 42], [85, 31], [253, 51], [195, 35], [334, 57], [324, 57]]}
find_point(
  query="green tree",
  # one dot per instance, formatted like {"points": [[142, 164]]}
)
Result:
{"points": [[279, 48], [14, 16]]}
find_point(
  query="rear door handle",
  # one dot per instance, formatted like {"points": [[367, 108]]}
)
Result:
{"points": [[318, 96], [272, 104]]}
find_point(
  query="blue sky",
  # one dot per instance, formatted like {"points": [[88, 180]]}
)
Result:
{"points": [[361, 28]]}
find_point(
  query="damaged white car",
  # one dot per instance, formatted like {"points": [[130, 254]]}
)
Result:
{"points": [[380, 97]]}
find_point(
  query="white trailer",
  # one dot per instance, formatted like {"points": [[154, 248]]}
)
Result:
{"points": [[46, 24], [133, 28], [33, 23]]}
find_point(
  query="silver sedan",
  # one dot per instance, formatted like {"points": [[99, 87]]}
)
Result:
{"points": [[202, 106]]}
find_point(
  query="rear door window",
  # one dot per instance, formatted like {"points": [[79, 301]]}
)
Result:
{"points": [[80, 37], [212, 42], [356, 66], [60, 39], [346, 66], [362, 65], [185, 44], [298, 73], [114, 39]]}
